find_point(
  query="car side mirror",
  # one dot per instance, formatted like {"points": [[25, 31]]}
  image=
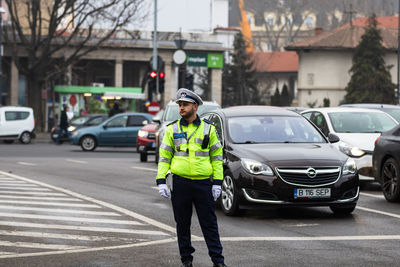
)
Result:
{"points": [[104, 126], [333, 138]]}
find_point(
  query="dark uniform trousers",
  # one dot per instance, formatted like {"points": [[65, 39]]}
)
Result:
{"points": [[186, 192]]}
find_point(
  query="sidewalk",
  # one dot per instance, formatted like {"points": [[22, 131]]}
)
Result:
{"points": [[42, 137]]}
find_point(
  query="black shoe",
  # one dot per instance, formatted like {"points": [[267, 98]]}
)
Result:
{"points": [[187, 264], [221, 264]]}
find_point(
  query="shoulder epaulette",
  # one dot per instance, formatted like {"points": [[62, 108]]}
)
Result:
{"points": [[209, 122], [172, 122]]}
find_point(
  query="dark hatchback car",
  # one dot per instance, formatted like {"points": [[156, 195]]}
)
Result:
{"points": [[386, 163], [276, 157]]}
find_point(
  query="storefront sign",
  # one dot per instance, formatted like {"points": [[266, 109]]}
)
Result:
{"points": [[197, 59], [215, 61]]}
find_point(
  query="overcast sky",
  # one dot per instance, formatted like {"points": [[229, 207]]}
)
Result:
{"points": [[173, 15]]}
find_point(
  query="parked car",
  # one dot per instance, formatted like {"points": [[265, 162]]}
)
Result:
{"points": [[357, 129], [146, 140], [77, 123], [16, 123], [392, 110], [119, 130], [276, 157], [386, 163], [171, 113]]}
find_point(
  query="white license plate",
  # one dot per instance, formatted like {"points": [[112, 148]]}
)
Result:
{"points": [[312, 193]]}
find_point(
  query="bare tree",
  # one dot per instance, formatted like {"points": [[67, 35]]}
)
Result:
{"points": [[40, 31]]}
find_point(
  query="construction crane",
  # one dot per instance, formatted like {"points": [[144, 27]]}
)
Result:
{"points": [[245, 26]]}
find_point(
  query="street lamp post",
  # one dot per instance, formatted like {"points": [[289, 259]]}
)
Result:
{"points": [[2, 11], [398, 55]]}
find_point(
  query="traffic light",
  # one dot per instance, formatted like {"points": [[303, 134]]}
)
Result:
{"points": [[152, 81], [161, 82], [189, 81]]}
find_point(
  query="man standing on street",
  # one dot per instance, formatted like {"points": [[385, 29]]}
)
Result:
{"points": [[192, 152], [63, 125]]}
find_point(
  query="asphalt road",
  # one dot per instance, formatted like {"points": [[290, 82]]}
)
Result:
{"points": [[60, 206]]}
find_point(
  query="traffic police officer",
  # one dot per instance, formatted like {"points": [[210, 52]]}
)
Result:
{"points": [[192, 152]]}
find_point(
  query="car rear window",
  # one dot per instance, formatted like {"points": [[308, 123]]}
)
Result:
{"points": [[273, 129], [16, 115], [361, 122]]}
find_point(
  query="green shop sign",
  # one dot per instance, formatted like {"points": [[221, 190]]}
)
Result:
{"points": [[205, 60]]}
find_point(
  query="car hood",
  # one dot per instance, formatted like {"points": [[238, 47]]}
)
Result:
{"points": [[323, 154], [365, 141], [151, 127]]}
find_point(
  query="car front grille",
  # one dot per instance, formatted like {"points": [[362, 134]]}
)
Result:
{"points": [[151, 136], [308, 176]]}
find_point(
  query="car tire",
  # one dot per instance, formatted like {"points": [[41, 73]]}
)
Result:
{"points": [[25, 138], [88, 143], [343, 210], [143, 156], [53, 136], [229, 197], [390, 177]]}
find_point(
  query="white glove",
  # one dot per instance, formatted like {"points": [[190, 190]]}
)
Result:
{"points": [[216, 191], [164, 191]]}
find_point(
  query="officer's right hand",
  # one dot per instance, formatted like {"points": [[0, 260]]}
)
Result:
{"points": [[164, 191]]}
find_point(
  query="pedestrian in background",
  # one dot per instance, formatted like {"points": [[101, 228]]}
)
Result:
{"points": [[192, 152], [115, 109], [63, 125]]}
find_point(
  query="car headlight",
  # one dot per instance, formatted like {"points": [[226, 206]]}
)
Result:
{"points": [[143, 134], [71, 128], [349, 167], [351, 151], [255, 167]]}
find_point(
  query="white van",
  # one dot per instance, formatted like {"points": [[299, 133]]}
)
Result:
{"points": [[16, 123]]}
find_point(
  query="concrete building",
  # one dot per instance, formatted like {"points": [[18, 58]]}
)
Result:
{"points": [[325, 60]]}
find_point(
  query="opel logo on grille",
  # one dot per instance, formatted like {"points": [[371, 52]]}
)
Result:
{"points": [[311, 172]]}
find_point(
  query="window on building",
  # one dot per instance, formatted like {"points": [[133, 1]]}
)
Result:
{"points": [[310, 78], [270, 20], [309, 21]]}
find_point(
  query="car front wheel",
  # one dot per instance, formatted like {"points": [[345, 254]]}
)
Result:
{"points": [[143, 156], [25, 138], [391, 180], [88, 143], [229, 197]]}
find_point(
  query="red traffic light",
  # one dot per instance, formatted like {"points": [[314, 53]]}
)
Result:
{"points": [[162, 75], [153, 74]]}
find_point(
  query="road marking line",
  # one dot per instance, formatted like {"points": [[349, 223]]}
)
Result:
{"points": [[26, 163], [145, 169], [6, 253], [71, 219], [30, 193], [99, 202], [155, 187], [13, 182], [81, 228], [62, 236], [77, 161], [149, 243], [42, 198], [51, 203], [102, 213], [379, 212], [372, 195], [38, 245], [311, 238], [24, 188], [302, 225]]}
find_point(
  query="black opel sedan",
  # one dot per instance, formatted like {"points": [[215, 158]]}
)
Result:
{"points": [[273, 156], [386, 163]]}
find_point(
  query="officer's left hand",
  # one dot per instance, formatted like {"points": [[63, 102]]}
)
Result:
{"points": [[216, 191]]}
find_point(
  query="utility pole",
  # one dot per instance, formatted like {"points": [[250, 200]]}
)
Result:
{"points": [[155, 54]]}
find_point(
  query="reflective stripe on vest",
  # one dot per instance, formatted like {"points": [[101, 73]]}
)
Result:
{"points": [[167, 147], [163, 159]]}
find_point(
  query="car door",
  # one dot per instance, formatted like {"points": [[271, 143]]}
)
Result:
{"points": [[319, 120], [114, 131], [135, 122]]}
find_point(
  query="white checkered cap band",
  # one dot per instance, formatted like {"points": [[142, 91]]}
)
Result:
{"points": [[186, 95]]}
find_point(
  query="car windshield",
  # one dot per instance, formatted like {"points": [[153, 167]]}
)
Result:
{"points": [[361, 122], [79, 120], [273, 129], [172, 112], [395, 113]]}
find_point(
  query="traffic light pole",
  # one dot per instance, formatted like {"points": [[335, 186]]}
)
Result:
{"points": [[155, 45]]}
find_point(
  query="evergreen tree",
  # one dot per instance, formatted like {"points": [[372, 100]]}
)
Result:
{"points": [[239, 84], [285, 97], [370, 81], [276, 98]]}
